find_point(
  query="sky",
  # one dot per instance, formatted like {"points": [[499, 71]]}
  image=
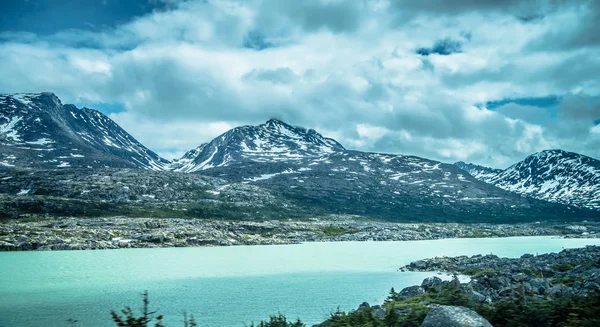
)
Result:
{"points": [[488, 82]]}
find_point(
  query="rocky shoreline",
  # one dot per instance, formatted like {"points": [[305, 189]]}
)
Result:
{"points": [[533, 290], [122, 232], [569, 272]]}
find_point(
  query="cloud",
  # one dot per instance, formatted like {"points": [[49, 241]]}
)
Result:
{"points": [[276, 76], [255, 40], [485, 85], [530, 114]]}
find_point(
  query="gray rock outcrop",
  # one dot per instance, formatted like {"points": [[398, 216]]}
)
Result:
{"points": [[451, 316]]}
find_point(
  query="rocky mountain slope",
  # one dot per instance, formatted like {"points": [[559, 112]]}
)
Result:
{"points": [[482, 173], [37, 130], [302, 165], [551, 175]]}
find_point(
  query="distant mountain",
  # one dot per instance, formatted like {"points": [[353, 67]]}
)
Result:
{"points": [[274, 141], [304, 166], [37, 130], [554, 175], [480, 172]]}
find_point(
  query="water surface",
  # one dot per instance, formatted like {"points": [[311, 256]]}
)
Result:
{"points": [[226, 286]]}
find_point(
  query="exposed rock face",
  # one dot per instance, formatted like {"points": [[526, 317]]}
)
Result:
{"points": [[451, 316]]}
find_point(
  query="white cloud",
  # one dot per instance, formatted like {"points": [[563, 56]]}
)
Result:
{"points": [[346, 68]]}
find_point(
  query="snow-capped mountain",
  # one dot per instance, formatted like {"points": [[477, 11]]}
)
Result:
{"points": [[273, 141], [480, 172], [305, 166], [37, 130], [554, 175]]}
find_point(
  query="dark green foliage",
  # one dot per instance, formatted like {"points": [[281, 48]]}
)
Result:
{"points": [[567, 281], [359, 318], [392, 318], [279, 321], [392, 296], [562, 267], [129, 319]]}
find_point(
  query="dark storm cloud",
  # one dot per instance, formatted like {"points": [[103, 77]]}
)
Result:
{"points": [[580, 107], [581, 33]]}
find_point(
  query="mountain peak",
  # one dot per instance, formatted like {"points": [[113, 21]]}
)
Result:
{"points": [[275, 121], [273, 141], [555, 175], [37, 130]]}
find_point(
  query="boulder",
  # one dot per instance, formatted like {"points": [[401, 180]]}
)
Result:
{"points": [[411, 291], [478, 297], [378, 311], [431, 282], [451, 316]]}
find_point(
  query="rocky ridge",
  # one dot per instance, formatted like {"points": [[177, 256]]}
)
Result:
{"points": [[116, 232]]}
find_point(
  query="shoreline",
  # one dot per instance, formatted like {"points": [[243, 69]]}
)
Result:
{"points": [[120, 232]]}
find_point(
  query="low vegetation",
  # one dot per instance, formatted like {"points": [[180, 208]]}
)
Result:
{"points": [[516, 311], [519, 310]]}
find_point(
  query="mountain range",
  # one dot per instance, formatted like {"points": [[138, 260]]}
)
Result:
{"points": [[272, 170]]}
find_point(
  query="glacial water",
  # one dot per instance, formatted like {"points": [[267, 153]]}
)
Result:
{"points": [[226, 286]]}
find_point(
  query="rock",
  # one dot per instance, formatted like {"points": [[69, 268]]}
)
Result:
{"points": [[411, 291], [364, 306], [451, 316], [478, 297], [539, 285], [561, 290], [378, 311], [431, 282]]}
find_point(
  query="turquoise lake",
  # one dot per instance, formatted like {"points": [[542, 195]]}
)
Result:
{"points": [[226, 286]]}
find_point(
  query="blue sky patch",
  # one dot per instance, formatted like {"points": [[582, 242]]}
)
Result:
{"points": [[542, 102], [45, 17]]}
